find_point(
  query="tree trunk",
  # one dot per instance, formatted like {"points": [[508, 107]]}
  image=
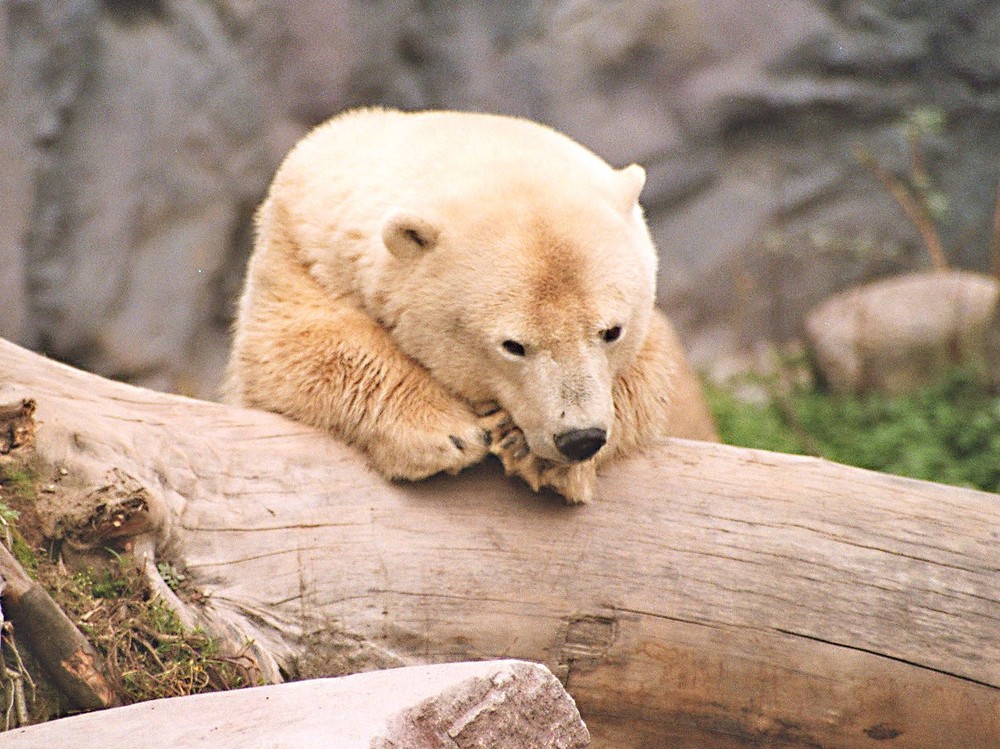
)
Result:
{"points": [[710, 596]]}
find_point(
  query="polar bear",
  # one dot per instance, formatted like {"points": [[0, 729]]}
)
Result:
{"points": [[433, 287]]}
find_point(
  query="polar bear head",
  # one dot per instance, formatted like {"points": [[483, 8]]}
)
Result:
{"points": [[527, 283]]}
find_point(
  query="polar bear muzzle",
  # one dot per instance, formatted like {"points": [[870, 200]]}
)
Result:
{"points": [[580, 444]]}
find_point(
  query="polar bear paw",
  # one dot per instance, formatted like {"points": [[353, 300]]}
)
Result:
{"points": [[448, 442], [574, 481]]}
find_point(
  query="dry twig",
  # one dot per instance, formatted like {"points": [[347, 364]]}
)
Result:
{"points": [[995, 245], [915, 210]]}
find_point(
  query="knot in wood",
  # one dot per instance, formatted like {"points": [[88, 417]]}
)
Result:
{"points": [[588, 640]]}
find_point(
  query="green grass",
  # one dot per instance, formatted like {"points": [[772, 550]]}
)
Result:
{"points": [[948, 432], [147, 650], [17, 486]]}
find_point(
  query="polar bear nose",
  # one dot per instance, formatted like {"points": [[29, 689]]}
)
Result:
{"points": [[580, 444]]}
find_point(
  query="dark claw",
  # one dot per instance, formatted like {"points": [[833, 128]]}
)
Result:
{"points": [[510, 441], [506, 425], [457, 442], [486, 409], [487, 438]]}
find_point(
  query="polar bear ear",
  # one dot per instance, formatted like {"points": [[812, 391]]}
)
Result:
{"points": [[630, 182], [407, 235]]}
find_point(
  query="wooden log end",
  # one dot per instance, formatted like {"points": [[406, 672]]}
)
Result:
{"points": [[69, 659]]}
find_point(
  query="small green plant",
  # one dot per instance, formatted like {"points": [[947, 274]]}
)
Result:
{"points": [[108, 584], [8, 517], [172, 576], [948, 432], [923, 204], [17, 489]]}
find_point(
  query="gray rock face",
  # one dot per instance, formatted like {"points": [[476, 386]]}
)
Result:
{"points": [[137, 135], [146, 146]]}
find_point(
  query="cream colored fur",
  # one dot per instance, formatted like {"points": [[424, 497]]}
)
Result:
{"points": [[397, 253]]}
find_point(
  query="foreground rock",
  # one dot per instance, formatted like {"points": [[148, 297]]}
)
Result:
{"points": [[899, 334], [496, 704]]}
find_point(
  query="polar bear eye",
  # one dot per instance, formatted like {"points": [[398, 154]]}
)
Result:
{"points": [[513, 347], [610, 335]]}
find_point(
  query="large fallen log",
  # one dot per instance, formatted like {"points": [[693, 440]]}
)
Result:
{"points": [[496, 704], [710, 596]]}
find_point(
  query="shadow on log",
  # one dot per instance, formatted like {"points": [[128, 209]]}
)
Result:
{"points": [[710, 596]]}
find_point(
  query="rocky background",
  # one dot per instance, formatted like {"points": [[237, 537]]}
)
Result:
{"points": [[137, 136]]}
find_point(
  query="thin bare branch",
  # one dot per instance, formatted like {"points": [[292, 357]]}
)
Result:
{"points": [[995, 244], [912, 207]]}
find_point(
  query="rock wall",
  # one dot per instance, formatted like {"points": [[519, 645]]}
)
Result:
{"points": [[143, 136], [136, 136]]}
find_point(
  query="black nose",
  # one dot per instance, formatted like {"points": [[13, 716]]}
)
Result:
{"points": [[580, 444]]}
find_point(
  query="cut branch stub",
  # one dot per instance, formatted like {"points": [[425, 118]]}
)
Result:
{"points": [[17, 425], [118, 509]]}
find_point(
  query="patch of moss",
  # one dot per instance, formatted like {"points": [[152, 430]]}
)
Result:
{"points": [[148, 652], [948, 432], [17, 482], [17, 492]]}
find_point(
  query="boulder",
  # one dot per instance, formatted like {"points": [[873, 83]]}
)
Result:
{"points": [[904, 332], [143, 150]]}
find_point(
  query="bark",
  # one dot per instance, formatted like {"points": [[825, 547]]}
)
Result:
{"points": [[69, 660], [710, 596], [496, 704]]}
